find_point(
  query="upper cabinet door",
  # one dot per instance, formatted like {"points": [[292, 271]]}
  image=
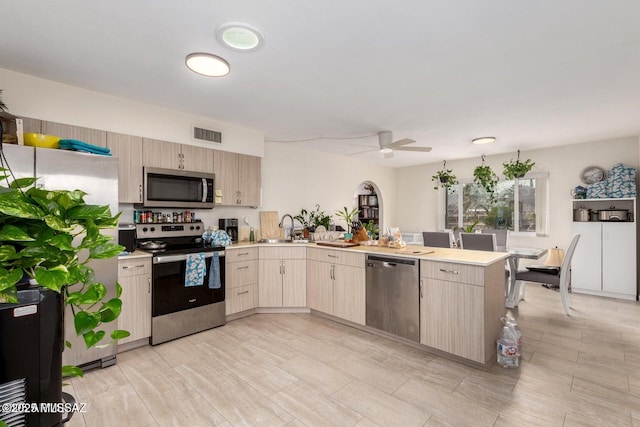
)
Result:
{"points": [[225, 166], [249, 180], [197, 159], [128, 150], [90, 136], [160, 154]]}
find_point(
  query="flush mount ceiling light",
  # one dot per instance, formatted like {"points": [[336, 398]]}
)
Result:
{"points": [[239, 36], [484, 140], [207, 64]]}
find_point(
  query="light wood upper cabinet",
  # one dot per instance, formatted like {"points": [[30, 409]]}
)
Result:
{"points": [[238, 177], [90, 136], [160, 154], [164, 154], [128, 150]]}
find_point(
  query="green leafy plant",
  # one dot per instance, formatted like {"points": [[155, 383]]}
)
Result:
{"points": [[348, 216], [310, 220], [51, 236], [444, 178], [467, 229], [304, 218], [372, 229], [486, 178], [3, 107], [517, 169]]}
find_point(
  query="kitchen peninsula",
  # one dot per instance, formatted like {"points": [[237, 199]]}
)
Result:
{"points": [[461, 292]]}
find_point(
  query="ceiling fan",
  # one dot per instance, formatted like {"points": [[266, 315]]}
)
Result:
{"points": [[387, 146]]}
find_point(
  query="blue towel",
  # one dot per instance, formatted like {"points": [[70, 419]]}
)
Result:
{"points": [[195, 270], [74, 144], [214, 272]]}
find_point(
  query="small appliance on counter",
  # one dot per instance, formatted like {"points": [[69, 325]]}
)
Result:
{"points": [[127, 236], [229, 226]]}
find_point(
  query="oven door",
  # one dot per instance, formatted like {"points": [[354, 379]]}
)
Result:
{"points": [[169, 292]]}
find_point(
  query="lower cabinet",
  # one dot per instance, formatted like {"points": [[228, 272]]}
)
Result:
{"points": [[460, 308], [134, 275], [283, 272], [336, 284], [241, 279]]}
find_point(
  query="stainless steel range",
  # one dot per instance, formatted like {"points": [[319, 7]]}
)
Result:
{"points": [[179, 310]]}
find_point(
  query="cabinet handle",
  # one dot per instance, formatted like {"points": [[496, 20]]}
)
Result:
{"points": [[421, 286], [246, 267], [243, 254], [333, 256], [127, 267], [242, 293], [332, 274], [140, 193], [450, 271], [149, 280]]}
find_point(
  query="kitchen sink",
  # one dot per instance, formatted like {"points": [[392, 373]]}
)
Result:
{"points": [[279, 241]]}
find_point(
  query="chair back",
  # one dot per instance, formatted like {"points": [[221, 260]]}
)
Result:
{"points": [[478, 241], [565, 269], [502, 237], [437, 239]]}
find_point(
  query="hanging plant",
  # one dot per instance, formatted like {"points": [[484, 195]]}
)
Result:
{"points": [[486, 178], [3, 107], [444, 178], [517, 169]]}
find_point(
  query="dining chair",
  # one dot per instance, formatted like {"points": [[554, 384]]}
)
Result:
{"points": [[484, 242], [437, 239], [560, 277], [502, 237]]}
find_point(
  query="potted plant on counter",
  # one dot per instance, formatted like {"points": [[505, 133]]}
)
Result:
{"points": [[517, 169], [485, 177], [348, 216], [444, 178]]}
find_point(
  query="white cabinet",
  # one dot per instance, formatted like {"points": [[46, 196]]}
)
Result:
{"points": [[134, 275], [283, 273], [604, 262]]}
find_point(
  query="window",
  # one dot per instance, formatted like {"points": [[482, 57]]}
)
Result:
{"points": [[521, 206]]}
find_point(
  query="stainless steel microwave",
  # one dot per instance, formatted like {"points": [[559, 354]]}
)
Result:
{"points": [[171, 188]]}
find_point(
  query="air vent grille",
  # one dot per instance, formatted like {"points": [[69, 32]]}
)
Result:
{"points": [[202, 134], [13, 392]]}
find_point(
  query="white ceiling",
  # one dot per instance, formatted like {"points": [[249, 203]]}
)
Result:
{"points": [[442, 72]]}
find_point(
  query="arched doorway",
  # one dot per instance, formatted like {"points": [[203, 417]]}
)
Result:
{"points": [[368, 200]]}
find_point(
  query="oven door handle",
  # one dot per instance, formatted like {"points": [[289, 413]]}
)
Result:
{"points": [[163, 259]]}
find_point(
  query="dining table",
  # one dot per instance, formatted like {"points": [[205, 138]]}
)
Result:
{"points": [[515, 255]]}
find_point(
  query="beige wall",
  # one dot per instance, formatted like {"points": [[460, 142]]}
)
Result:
{"points": [[420, 206]]}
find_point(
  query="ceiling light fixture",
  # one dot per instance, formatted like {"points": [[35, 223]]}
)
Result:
{"points": [[239, 36], [484, 140], [207, 64], [386, 150]]}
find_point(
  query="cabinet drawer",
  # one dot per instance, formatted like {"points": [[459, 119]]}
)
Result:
{"points": [[452, 272], [241, 273], [353, 259], [134, 267], [241, 254], [281, 252], [241, 299]]}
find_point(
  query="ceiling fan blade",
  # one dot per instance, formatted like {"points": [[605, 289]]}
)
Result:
{"points": [[365, 151], [388, 155], [420, 149], [401, 142]]}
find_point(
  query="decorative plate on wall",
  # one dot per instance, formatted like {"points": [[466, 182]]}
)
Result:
{"points": [[592, 174]]}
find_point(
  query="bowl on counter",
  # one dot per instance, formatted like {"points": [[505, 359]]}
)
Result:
{"points": [[41, 140]]}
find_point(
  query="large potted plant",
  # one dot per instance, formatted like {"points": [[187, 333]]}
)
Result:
{"points": [[50, 236]]}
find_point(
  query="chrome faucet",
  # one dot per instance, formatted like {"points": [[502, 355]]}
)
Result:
{"points": [[288, 233]]}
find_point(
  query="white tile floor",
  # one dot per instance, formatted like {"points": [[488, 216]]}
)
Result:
{"points": [[299, 369]]}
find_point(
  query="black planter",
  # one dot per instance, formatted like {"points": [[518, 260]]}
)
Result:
{"points": [[31, 345]]}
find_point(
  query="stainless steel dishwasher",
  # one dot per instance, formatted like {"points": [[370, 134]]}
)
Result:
{"points": [[393, 295]]}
